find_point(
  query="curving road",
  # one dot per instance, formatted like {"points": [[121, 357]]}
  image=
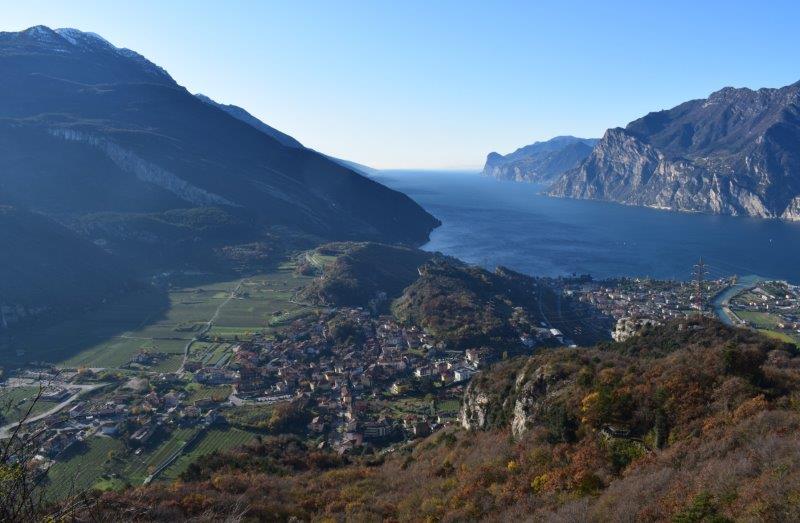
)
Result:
{"points": [[5, 431]]}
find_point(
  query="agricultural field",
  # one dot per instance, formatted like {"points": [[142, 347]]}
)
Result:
{"points": [[212, 440], [211, 353], [319, 260], [166, 321], [196, 391], [83, 465], [767, 324], [262, 302], [138, 467], [420, 406], [104, 463], [760, 320], [15, 402], [251, 416]]}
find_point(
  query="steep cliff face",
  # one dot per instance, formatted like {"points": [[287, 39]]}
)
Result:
{"points": [[541, 161], [86, 127], [736, 153], [517, 394]]}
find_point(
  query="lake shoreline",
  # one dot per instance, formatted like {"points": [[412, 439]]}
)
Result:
{"points": [[489, 222]]}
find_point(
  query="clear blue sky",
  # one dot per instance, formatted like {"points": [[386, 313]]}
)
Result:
{"points": [[439, 84]]}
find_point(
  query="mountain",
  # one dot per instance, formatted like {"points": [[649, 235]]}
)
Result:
{"points": [[541, 161], [107, 143], [285, 139], [353, 166], [736, 152], [46, 268], [241, 114]]}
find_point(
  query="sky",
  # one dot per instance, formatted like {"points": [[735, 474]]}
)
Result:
{"points": [[440, 84]]}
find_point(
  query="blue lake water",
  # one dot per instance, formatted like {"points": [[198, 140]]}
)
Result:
{"points": [[490, 223]]}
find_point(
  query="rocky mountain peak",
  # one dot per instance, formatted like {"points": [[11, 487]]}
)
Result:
{"points": [[44, 41], [736, 152]]}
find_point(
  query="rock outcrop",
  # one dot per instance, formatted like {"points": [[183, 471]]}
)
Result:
{"points": [[527, 397], [735, 153], [541, 161]]}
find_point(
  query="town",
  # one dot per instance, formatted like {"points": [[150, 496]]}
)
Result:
{"points": [[345, 378]]}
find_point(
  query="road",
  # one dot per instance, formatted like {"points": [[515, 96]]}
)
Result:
{"points": [[16, 382], [208, 325]]}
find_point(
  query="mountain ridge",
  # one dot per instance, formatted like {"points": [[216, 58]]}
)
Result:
{"points": [[736, 152], [98, 140], [540, 161], [167, 148]]}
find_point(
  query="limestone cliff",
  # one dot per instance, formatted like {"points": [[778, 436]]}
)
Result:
{"points": [[735, 153]]}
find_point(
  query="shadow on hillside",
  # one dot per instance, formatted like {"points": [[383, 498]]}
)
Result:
{"points": [[57, 340]]}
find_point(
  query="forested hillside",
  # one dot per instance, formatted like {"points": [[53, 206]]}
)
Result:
{"points": [[693, 421]]}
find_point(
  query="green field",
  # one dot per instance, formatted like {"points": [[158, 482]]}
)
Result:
{"points": [[165, 321], [761, 320], [103, 462], [196, 391], [213, 353], [138, 467], [320, 261], [84, 465], [15, 402], [780, 336], [767, 324], [262, 302], [103, 459], [213, 439]]}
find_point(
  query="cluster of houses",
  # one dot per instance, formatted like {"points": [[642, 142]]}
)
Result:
{"points": [[350, 367], [777, 298], [636, 302], [346, 378], [136, 411]]}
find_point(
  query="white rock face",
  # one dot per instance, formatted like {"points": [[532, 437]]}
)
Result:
{"points": [[736, 153], [13, 313], [148, 172], [472, 414], [792, 211], [627, 327], [536, 390]]}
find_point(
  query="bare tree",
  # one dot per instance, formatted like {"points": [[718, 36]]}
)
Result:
{"points": [[22, 475]]}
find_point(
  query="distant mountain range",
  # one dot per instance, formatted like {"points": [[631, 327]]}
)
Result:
{"points": [[100, 141], [736, 152], [242, 114], [541, 161]]}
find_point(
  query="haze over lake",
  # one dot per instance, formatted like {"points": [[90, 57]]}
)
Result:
{"points": [[490, 223]]}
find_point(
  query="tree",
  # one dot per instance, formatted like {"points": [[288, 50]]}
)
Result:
{"points": [[21, 480]]}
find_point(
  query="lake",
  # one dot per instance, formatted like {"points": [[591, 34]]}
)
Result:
{"points": [[490, 223]]}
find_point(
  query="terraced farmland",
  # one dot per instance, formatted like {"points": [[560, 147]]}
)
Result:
{"points": [[214, 439], [84, 465]]}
